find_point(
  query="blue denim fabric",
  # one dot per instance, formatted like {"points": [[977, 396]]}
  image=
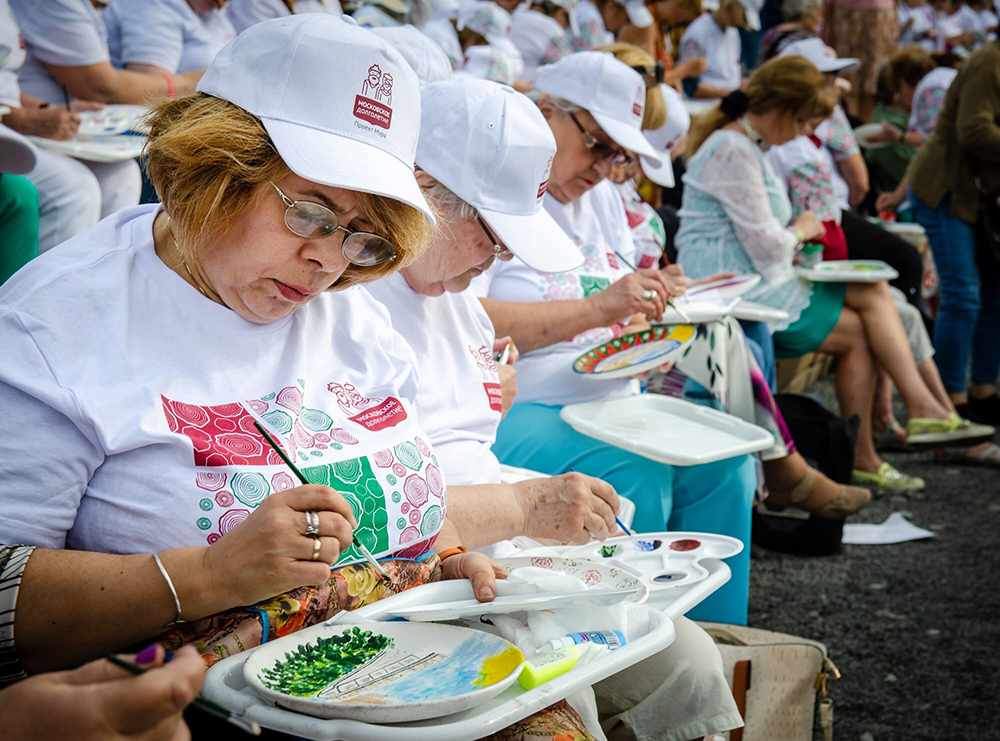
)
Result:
{"points": [[761, 344], [969, 316]]}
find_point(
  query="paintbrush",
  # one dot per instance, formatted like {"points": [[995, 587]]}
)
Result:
{"points": [[628, 532], [670, 303], [200, 702], [505, 355], [357, 543]]}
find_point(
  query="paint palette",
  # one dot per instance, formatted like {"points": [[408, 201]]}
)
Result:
{"points": [[383, 672], [634, 353], [665, 560], [849, 271], [591, 572], [112, 120]]}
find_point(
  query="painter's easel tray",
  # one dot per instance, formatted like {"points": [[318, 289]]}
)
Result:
{"points": [[666, 429], [634, 353], [383, 672], [751, 311], [226, 685], [849, 271]]}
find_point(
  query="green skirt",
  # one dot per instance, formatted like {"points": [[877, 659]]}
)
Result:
{"points": [[816, 321]]}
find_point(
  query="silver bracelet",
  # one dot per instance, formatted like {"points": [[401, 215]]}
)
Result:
{"points": [[177, 601]]}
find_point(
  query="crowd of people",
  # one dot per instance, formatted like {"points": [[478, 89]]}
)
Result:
{"points": [[385, 236]]}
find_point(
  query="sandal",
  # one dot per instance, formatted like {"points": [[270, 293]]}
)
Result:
{"points": [[893, 437], [847, 502], [989, 458], [951, 431], [887, 478]]}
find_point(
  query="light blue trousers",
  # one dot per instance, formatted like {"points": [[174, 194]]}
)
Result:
{"points": [[711, 498]]}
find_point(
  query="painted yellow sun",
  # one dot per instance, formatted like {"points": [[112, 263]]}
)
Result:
{"points": [[499, 667]]}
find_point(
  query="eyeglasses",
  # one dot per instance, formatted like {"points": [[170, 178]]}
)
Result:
{"points": [[500, 252], [651, 75], [313, 220], [602, 150]]}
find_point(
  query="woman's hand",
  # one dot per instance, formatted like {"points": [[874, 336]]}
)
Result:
{"points": [[888, 135], [103, 702], [628, 296], [479, 569], [53, 122], [810, 226], [570, 508], [694, 67], [80, 106], [677, 282], [271, 554], [889, 201]]}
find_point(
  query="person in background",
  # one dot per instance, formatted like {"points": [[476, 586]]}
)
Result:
{"points": [[917, 25], [382, 13], [245, 13], [426, 57], [541, 31], [477, 22], [956, 169], [715, 38], [166, 36], [18, 203], [803, 20], [866, 32]]}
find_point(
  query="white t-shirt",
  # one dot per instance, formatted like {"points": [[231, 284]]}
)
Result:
{"points": [[721, 50], [245, 13], [67, 33], [165, 33], [129, 401], [10, 36], [458, 399], [923, 21], [539, 38], [597, 224], [590, 23]]}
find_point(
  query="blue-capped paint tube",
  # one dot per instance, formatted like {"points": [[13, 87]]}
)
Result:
{"points": [[611, 638]]}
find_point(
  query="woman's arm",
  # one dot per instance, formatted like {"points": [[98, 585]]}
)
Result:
{"points": [[976, 119], [104, 83], [854, 170]]}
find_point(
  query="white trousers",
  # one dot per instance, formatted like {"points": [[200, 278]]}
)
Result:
{"points": [[73, 195]]}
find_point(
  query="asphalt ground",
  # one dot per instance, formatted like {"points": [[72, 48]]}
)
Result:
{"points": [[914, 628]]}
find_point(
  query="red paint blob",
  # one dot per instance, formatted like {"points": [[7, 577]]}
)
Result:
{"points": [[685, 545]]}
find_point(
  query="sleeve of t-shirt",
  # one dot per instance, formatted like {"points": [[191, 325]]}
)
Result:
{"points": [[151, 33], [50, 450], [62, 32], [841, 141]]}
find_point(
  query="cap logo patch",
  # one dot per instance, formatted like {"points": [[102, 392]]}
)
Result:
{"points": [[544, 185], [640, 95], [376, 97]]}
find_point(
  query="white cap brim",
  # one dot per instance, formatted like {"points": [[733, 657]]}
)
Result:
{"points": [[329, 159], [536, 239], [753, 17], [660, 171], [840, 64], [17, 154], [638, 14], [624, 135]]}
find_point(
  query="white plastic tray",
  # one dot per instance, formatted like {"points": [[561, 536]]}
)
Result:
{"points": [[224, 684], [754, 312], [839, 271], [112, 120], [912, 233], [666, 429], [106, 149]]}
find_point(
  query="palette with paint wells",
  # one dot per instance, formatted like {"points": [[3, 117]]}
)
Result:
{"points": [[592, 573], [849, 271], [382, 672], [664, 560], [112, 120], [634, 353]]}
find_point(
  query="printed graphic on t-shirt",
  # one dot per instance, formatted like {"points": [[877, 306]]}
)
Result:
{"points": [[483, 358], [397, 493]]}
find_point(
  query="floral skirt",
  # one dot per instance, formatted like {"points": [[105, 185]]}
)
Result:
{"points": [[869, 34]]}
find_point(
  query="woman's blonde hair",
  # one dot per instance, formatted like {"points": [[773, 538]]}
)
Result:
{"points": [[790, 84], [655, 111], [206, 159]]}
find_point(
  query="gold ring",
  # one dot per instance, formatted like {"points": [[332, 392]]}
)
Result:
{"points": [[317, 546]]}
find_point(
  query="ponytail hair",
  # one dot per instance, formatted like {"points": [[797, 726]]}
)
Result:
{"points": [[791, 84]]}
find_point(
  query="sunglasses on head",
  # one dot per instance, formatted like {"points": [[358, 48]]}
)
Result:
{"points": [[651, 74]]}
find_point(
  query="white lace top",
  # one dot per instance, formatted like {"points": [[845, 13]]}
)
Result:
{"points": [[734, 215]]}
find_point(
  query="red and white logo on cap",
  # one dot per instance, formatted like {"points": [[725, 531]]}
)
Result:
{"points": [[544, 185], [640, 98], [373, 105]]}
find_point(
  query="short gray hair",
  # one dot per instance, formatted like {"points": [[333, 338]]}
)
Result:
{"points": [[792, 9], [448, 207], [563, 105]]}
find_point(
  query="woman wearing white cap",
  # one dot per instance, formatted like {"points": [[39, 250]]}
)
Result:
{"points": [[424, 56], [715, 38], [245, 13], [594, 105], [483, 154], [542, 30], [171, 36], [203, 318]]}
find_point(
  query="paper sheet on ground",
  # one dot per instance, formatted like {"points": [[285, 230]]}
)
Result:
{"points": [[895, 529]]}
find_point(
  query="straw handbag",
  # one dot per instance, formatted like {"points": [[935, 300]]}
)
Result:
{"points": [[775, 679]]}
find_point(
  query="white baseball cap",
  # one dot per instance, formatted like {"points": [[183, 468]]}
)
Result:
{"points": [[485, 63], [660, 169], [492, 147], [613, 92], [638, 14], [821, 55], [420, 51], [752, 10], [484, 17], [17, 154], [570, 6], [341, 106]]}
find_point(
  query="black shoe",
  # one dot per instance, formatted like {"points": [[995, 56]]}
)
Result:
{"points": [[984, 411]]}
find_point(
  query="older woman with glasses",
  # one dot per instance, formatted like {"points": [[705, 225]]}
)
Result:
{"points": [[594, 106], [147, 355]]}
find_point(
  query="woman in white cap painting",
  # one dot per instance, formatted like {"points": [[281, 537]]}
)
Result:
{"points": [[144, 353], [594, 105]]}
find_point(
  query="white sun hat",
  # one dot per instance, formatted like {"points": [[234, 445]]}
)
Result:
{"points": [[660, 169], [613, 92], [638, 14], [420, 51], [492, 147], [752, 10], [821, 55], [340, 104], [17, 154]]}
